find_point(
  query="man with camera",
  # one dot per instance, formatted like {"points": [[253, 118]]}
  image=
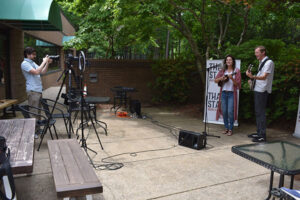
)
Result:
{"points": [[31, 72]]}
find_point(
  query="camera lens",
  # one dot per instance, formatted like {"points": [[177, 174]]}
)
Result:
{"points": [[56, 57]]}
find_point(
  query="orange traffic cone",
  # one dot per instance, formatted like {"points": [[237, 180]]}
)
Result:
{"points": [[85, 90]]}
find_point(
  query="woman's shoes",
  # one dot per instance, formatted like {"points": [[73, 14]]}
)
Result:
{"points": [[229, 133], [225, 132]]}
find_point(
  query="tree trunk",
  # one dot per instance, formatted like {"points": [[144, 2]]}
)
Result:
{"points": [[167, 45], [245, 26]]}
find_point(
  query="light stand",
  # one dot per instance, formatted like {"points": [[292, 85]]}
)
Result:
{"points": [[84, 104]]}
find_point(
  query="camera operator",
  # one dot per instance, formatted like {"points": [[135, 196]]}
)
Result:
{"points": [[31, 72]]}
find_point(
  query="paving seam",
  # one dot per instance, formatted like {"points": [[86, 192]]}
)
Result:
{"points": [[207, 186]]}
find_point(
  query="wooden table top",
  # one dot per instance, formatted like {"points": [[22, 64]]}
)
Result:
{"points": [[73, 175], [7, 102], [19, 134]]}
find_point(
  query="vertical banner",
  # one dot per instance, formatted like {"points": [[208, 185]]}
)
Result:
{"points": [[212, 90], [297, 128]]}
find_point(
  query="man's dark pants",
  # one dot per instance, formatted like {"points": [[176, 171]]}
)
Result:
{"points": [[260, 100]]}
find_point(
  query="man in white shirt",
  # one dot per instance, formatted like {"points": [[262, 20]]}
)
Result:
{"points": [[263, 87]]}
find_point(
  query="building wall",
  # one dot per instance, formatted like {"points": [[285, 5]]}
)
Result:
{"points": [[17, 80], [111, 73], [2, 91]]}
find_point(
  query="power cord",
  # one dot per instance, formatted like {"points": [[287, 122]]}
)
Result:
{"points": [[111, 165]]}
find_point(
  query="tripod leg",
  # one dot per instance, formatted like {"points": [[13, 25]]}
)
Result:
{"points": [[97, 133], [55, 131], [66, 125], [75, 117], [42, 136], [50, 133]]}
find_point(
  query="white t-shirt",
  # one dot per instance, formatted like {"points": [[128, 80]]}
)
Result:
{"points": [[265, 85], [228, 86]]}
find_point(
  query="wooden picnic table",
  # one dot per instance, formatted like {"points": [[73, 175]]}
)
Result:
{"points": [[5, 103], [72, 173], [19, 134]]}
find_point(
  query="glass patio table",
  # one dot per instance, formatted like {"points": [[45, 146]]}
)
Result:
{"points": [[279, 156]]}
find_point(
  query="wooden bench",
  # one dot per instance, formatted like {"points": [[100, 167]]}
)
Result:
{"points": [[5, 103], [72, 173]]}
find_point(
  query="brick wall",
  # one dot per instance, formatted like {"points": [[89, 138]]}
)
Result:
{"points": [[110, 73], [129, 73], [50, 79]]}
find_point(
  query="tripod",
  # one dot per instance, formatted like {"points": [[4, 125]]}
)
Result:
{"points": [[205, 133], [69, 72]]}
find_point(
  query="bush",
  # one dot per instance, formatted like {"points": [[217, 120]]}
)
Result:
{"points": [[284, 99], [172, 80]]}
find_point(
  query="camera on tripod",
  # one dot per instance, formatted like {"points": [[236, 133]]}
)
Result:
{"points": [[80, 59], [54, 57]]}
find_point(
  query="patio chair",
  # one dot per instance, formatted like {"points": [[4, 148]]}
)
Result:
{"points": [[60, 115], [28, 112], [120, 98]]}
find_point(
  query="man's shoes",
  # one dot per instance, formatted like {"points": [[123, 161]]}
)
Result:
{"points": [[253, 135], [259, 139]]}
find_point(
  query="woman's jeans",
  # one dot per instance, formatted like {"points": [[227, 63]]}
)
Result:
{"points": [[227, 109]]}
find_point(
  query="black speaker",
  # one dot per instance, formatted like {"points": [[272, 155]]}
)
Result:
{"points": [[135, 107], [192, 139]]}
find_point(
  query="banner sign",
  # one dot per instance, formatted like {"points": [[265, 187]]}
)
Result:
{"points": [[297, 129], [212, 91]]}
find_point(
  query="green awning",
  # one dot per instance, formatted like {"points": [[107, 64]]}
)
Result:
{"points": [[66, 39], [41, 43], [31, 14]]}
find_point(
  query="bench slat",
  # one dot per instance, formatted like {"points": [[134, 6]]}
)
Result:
{"points": [[5, 128], [16, 129], [59, 172], [81, 179], [70, 163], [26, 146], [82, 161]]}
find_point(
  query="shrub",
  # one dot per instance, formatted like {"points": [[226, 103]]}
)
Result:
{"points": [[172, 80]]}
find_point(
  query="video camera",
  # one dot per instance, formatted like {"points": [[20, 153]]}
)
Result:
{"points": [[56, 57], [80, 59]]}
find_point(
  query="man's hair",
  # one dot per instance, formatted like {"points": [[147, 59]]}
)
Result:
{"points": [[28, 51], [262, 49]]}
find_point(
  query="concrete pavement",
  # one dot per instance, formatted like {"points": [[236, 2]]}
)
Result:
{"points": [[155, 167]]}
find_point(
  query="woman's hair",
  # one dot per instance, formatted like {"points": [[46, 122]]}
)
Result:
{"points": [[28, 51], [233, 62]]}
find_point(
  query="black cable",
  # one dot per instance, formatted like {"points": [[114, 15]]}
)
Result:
{"points": [[110, 165]]}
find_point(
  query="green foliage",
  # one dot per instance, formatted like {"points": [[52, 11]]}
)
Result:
{"points": [[172, 80], [283, 102]]}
